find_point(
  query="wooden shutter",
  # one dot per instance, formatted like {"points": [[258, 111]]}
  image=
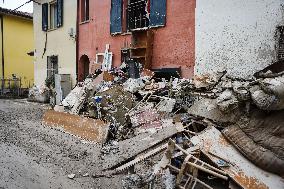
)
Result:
{"points": [[116, 16], [158, 11], [59, 13], [44, 17]]}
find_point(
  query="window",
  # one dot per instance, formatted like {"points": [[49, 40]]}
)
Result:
{"points": [[52, 15], [85, 10], [52, 66], [136, 14]]}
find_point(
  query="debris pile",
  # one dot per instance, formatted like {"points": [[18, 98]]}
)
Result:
{"points": [[198, 132], [39, 94]]}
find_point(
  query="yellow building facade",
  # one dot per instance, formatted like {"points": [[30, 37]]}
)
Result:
{"points": [[17, 46]]}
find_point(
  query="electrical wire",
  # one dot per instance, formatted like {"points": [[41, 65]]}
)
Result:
{"points": [[25, 4], [22, 5]]}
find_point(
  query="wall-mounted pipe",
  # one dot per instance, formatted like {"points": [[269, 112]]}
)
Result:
{"points": [[2, 46], [77, 41]]}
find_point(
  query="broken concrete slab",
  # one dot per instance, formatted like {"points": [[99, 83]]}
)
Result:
{"points": [[166, 105], [88, 85], [208, 108], [71, 98]]}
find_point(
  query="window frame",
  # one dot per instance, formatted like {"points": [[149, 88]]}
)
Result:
{"points": [[51, 69], [85, 11], [128, 17], [154, 16], [52, 15]]}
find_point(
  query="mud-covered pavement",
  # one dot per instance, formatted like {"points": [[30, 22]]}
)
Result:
{"points": [[36, 156]]}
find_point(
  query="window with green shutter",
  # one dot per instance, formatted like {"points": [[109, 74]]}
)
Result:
{"points": [[52, 15], [158, 11], [44, 17], [116, 17]]}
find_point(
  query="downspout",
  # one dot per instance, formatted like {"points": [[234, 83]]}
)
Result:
{"points": [[77, 41], [2, 46]]}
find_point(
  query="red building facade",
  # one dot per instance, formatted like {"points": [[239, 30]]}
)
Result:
{"points": [[172, 23]]}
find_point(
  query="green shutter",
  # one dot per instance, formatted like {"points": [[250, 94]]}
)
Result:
{"points": [[158, 11], [116, 16], [59, 13], [44, 17]]}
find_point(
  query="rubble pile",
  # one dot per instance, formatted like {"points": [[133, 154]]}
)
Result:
{"points": [[215, 119], [39, 94]]}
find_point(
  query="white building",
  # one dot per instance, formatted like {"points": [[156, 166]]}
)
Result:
{"points": [[55, 39], [239, 36]]}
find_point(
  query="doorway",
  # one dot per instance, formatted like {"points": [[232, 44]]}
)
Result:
{"points": [[85, 66]]}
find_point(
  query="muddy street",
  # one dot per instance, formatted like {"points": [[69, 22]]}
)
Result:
{"points": [[35, 156]]}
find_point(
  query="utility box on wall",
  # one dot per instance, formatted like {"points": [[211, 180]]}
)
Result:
{"points": [[63, 86]]}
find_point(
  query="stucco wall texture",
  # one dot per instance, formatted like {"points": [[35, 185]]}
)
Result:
{"points": [[236, 35], [58, 43], [173, 44]]}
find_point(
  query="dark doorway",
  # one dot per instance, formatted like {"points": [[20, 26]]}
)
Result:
{"points": [[85, 65]]}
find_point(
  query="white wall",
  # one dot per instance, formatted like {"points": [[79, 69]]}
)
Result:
{"points": [[58, 43], [236, 35]]}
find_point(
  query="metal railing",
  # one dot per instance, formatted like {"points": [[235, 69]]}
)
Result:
{"points": [[10, 87]]}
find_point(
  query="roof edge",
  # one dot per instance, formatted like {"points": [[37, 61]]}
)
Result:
{"points": [[16, 13]]}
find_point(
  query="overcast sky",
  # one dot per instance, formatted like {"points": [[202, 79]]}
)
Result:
{"points": [[12, 4]]}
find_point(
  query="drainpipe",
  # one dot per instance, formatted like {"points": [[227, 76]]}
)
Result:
{"points": [[2, 46], [77, 41]]}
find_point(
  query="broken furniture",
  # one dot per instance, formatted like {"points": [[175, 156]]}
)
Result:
{"points": [[241, 170], [141, 49], [188, 172], [105, 59], [85, 128], [139, 53]]}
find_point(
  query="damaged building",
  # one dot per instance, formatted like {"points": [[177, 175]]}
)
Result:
{"points": [[157, 34], [178, 94]]}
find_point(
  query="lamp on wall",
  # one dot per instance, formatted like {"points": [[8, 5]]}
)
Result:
{"points": [[72, 32]]}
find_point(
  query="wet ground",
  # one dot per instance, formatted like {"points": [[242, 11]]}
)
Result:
{"points": [[36, 156]]}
